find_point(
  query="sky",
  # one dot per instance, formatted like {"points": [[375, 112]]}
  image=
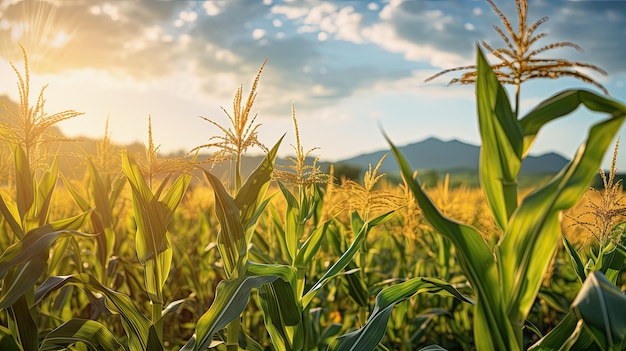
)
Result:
{"points": [[349, 67]]}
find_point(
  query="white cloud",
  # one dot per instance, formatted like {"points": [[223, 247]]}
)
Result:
{"points": [[322, 36], [372, 6], [258, 33], [291, 12], [469, 26], [277, 23], [211, 8], [385, 36]]}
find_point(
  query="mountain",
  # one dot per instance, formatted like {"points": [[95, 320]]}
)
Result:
{"points": [[448, 156]]}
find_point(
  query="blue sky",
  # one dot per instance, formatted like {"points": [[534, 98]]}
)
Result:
{"points": [[349, 66]]}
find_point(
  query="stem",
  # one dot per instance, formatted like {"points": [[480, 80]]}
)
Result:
{"points": [[363, 310], [156, 319], [232, 335], [517, 97], [238, 174]]}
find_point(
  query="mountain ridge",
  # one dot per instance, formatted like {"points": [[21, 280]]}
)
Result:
{"points": [[436, 154]]}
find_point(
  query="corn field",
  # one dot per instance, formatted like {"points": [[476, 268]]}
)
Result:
{"points": [[133, 252]]}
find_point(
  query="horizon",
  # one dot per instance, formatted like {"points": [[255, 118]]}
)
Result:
{"points": [[350, 67]]}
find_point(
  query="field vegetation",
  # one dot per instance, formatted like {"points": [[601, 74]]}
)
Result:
{"points": [[140, 252]]}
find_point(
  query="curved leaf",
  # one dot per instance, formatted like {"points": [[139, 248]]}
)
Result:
{"points": [[231, 298], [527, 246], [368, 337], [502, 143], [93, 334]]}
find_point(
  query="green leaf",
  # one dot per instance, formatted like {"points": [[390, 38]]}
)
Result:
{"points": [[273, 318], [9, 211], [134, 322], [562, 104], [35, 243], [502, 143], [370, 335], [92, 333], [231, 240], [24, 184], [24, 326], [579, 267], [337, 267], [250, 197], [492, 329], [231, 298], [22, 280], [526, 247], [602, 306], [311, 245], [7, 343]]}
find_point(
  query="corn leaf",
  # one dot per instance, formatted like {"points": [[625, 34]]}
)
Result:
{"points": [[602, 306], [534, 229], [231, 240], [491, 327], [96, 336], [369, 336], [135, 324], [293, 224], [22, 280], [24, 183], [502, 143], [579, 267], [562, 104], [273, 318], [37, 242], [562, 337], [311, 245], [231, 298], [250, 197], [9, 211], [24, 326], [7, 342]]}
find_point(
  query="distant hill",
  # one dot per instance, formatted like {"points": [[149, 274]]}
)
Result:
{"points": [[444, 156]]}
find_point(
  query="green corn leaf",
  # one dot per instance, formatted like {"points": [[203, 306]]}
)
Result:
{"points": [[338, 266], [250, 197], [579, 267], [562, 337], [24, 183], [355, 286], [22, 280], [78, 198], [562, 104], [45, 189], [9, 211], [286, 273], [602, 306], [502, 143], [24, 326], [293, 224], [273, 318], [96, 336], [231, 298], [152, 215], [492, 330], [7, 343], [432, 348], [526, 247], [135, 324], [154, 343], [311, 245], [231, 240], [36, 242], [370, 335]]}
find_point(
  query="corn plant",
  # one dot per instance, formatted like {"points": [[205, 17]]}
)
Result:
{"points": [[506, 279]]}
